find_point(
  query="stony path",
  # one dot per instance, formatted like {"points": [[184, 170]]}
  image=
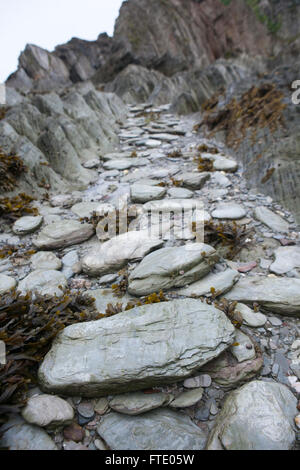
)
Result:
{"points": [[188, 353]]}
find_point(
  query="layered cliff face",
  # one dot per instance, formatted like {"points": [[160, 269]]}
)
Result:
{"points": [[169, 51]]}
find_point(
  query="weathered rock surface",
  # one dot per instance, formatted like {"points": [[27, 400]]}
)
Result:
{"points": [[48, 411], [229, 211], [115, 253], [7, 283], [193, 180], [243, 348], [186, 399], [280, 295], [45, 283], [258, 416], [161, 429], [45, 260], [26, 437], [98, 358], [62, 234], [272, 220], [142, 193], [286, 259], [27, 224], [221, 282], [137, 403], [171, 267], [251, 318]]}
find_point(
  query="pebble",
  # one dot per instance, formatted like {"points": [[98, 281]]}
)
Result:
{"points": [[199, 381]]}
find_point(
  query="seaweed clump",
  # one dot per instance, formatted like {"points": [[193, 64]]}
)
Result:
{"points": [[258, 108], [153, 298], [27, 327], [175, 154], [228, 235], [12, 208], [11, 168]]}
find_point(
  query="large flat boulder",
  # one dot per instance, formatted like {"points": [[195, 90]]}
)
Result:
{"points": [[280, 295], [62, 234], [173, 340], [258, 416], [172, 267], [160, 429]]}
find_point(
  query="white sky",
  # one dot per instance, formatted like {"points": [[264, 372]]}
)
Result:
{"points": [[48, 23]]}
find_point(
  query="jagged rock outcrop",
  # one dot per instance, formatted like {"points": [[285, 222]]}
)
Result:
{"points": [[56, 133]]}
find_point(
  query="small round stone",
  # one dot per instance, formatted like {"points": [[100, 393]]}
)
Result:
{"points": [[27, 224]]}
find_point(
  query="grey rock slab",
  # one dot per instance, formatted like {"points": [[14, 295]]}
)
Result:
{"points": [[180, 193], [62, 234], [86, 209], [250, 317], [271, 220], [44, 283], [173, 339], [225, 164], [7, 283], [47, 411], [27, 437], [286, 259], [243, 348], [27, 224], [171, 267], [172, 205], [229, 210], [136, 403], [157, 430], [117, 251], [186, 399], [258, 416], [277, 294], [143, 193], [64, 200], [193, 180], [124, 164], [222, 282], [45, 260], [220, 179]]}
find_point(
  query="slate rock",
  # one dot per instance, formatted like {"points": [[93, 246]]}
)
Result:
{"points": [[44, 283], [279, 295], [26, 437], [272, 220], [7, 283], [143, 193], [286, 259], [136, 403], [161, 429], [48, 411], [62, 234], [258, 416], [173, 338], [45, 260], [222, 282], [27, 224], [116, 252], [186, 399], [171, 267]]}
